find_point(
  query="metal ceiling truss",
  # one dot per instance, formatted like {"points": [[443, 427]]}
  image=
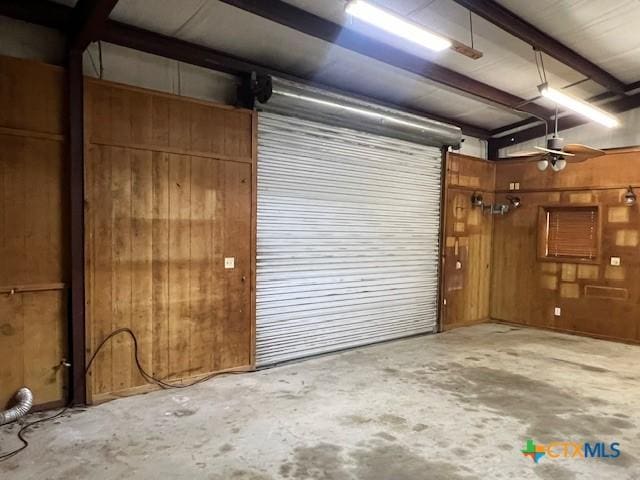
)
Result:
{"points": [[323, 29], [519, 28], [89, 22], [59, 16]]}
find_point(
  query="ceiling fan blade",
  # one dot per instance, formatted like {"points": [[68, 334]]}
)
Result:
{"points": [[578, 158], [556, 152], [586, 150], [528, 153]]}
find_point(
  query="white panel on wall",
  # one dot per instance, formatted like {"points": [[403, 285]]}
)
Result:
{"points": [[474, 147]]}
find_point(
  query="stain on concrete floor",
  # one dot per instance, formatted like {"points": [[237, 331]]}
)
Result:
{"points": [[371, 462], [454, 406]]}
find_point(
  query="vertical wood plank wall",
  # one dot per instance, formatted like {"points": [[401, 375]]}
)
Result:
{"points": [[170, 193], [468, 238], [33, 231], [599, 300]]}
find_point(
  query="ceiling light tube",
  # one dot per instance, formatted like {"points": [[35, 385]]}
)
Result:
{"points": [[396, 25], [579, 106], [360, 111]]}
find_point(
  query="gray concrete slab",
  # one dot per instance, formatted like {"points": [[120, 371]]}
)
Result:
{"points": [[454, 406]]}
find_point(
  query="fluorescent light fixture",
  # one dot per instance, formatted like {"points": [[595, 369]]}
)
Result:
{"points": [[578, 106], [396, 25]]}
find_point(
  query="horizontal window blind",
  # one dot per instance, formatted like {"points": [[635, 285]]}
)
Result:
{"points": [[572, 232]]}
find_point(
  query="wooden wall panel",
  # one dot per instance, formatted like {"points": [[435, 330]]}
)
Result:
{"points": [[468, 239], [614, 170], [160, 224], [33, 231], [466, 172], [136, 118], [31, 95], [526, 291]]}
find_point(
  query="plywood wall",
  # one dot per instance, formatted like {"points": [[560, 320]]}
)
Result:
{"points": [[600, 299], [468, 238], [170, 189], [33, 231]]}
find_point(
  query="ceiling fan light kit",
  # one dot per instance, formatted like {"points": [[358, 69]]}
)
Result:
{"points": [[542, 165], [581, 107], [558, 165]]}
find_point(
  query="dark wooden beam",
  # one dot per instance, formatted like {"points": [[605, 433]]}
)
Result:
{"points": [[89, 18], [40, 12], [180, 50], [531, 120], [619, 105], [170, 47], [318, 27], [176, 49], [75, 99], [516, 26], [493, 152], [512, 126]]}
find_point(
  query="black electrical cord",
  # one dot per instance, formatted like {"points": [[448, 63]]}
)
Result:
{"points": [[147, 376]]}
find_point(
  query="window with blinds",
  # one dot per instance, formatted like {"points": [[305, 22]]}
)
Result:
{"points": [[572, 233]]}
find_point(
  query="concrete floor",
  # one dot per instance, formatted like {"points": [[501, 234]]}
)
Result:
{"points": [[455, 406]]}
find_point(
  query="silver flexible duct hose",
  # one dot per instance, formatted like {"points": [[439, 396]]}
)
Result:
{"points": [[24, 402]]}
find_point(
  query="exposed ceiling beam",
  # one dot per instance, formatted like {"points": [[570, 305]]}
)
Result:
{"points": [[169, 47], [619, 105], [532, 120], [58, 16], [520, 28], [318, 27], [40, 12], [88, 20], [513, 126]]}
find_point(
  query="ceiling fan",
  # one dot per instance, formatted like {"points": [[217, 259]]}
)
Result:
{"points": [[556, 155]]}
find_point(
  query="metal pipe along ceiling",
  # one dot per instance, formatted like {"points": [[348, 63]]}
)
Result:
{"points": [[318, 105]]}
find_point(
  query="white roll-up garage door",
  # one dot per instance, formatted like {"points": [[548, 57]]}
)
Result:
{"points": [[348, 234]]}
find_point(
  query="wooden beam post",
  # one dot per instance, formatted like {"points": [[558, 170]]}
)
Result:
{"points": [[89, 18], [75, 97]]}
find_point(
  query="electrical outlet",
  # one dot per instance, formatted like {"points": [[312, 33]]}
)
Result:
{"points": [[229, 262], [517, 186], [615, 261], [557, 312], [512, 186]]}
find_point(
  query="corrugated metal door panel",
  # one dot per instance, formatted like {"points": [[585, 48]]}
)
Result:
{"points": [[348, 232]]}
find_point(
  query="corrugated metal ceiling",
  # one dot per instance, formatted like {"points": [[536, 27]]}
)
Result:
{"points": [[602, 31]]}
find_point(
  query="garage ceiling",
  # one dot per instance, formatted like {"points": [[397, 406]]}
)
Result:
{"points": [[605, 33]]}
